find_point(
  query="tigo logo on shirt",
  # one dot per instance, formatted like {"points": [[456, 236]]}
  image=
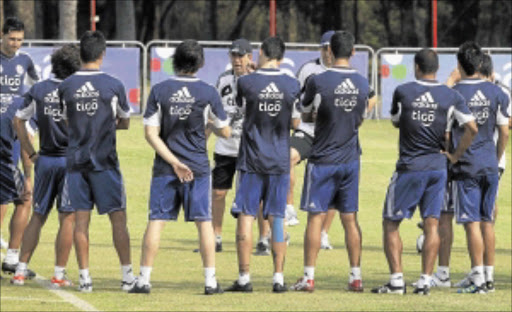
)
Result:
{"points": [[424, 109], [273, 107]]}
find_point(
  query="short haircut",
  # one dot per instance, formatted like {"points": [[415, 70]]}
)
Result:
{"points": [[470, 57], [188, 57], [427, 61], [66, 61], [342, 44], [92, 46], [273, 48], [12, 24], [486, 68]]}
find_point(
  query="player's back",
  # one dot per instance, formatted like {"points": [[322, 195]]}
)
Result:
{"points": [[91, 101], [8, 107], [269, 97], [179, 106], [423, 109], [488, 103], [339, 96]]}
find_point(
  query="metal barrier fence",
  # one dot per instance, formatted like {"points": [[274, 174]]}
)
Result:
{"points": [[396, 66]]}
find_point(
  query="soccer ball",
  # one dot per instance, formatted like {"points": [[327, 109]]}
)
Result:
{"points": [[419, 243]]}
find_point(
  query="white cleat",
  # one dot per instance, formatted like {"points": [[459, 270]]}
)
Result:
{"points": [[127, 286], [291, 218], [464, 283], [325, 244]]}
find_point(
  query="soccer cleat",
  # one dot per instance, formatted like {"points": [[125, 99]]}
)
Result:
{"points": [[262, 249], [324, 243], [240, 288], [218, 246], [436, 281], [85, 287], [304, 284], [356, 286], [465, 282], [420, 225], [61, 282], [472, 289], [127, 286], [291, 216], [390, 289], [425, 291], [18, 280], [211, 290], [11, 269], [279, 288], [489, 286], [136, 289]]}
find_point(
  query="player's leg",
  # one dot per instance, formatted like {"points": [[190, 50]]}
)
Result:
{"points": [[218, 207], [490, 207], [3, 211], [353, 243], [291, 214], [263, 245], [81, 241], [442, 276], [278, 252], [430, 246], [63, 245]]}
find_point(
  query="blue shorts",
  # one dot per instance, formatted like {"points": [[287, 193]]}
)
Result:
{"points": [[11, 183], [331, 186], [168, 194], [48, 183], [474, 198], [254, 188], [409, 189], [82, 190]]}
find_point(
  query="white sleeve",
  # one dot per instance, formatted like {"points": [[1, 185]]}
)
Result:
{"points": [[295, 111], [155, 119], [27, 112], [118, 111], [461, 117]]}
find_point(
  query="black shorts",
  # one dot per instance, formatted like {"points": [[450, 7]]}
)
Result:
{"points": [[223, 172], [302, 143]]}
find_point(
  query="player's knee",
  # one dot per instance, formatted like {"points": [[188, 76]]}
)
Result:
{"points": [[219, 194], [294, 157]]}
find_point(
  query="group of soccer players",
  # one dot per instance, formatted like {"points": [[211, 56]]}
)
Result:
{"points": [[252, 110]]}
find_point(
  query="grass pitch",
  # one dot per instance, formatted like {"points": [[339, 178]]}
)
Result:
{"points": [[177, 276]]}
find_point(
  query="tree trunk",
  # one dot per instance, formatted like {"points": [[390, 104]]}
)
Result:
{"points": [[384, 12], [1, 12], [355, 11], [25, 12], [211, 20], [67, 20], [491, 39], [244, 9], [125, 20]]}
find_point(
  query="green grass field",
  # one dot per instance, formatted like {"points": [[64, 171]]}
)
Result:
{"points": [[177, 276]]}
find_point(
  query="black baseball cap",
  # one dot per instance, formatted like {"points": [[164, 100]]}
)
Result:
{"points": [[241, 46]]}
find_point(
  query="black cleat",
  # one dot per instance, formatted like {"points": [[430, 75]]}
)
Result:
{"points": [[389, 289], [425, 291], [211, 290], [279, 288], [241, 288], [218, 247], [11, 269], [145, 289], [489, 286]]}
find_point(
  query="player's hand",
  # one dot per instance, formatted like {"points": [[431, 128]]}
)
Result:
{"points": [[27, 190], [450, 157], [454, 77], [251, 67], [183, 172]]}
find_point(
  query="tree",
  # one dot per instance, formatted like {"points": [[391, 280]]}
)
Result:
{"points": [[125, 26], [24, 10], [245, 7], [67, 20]]}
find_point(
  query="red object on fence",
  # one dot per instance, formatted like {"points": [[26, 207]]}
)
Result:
{"points": [[93, 15], [434, 23], [272, 17]]}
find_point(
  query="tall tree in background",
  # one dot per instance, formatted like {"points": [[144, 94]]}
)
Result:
{"points": [[244, 8], [125, 21], [24, 10], [332, 18], [67, 20], [211, 18]]}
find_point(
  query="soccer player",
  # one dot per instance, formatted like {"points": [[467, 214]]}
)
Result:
{"points": [[423, 111], [50, 163], [15, 66], [226, 149], [476, 176], [175, 120], [339, 96], [269, 98], [94, 104]]}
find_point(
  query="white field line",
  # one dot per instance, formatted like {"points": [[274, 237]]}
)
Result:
{"points": [[66, 296]]}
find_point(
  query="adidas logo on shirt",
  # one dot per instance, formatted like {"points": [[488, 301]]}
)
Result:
{"points": [[52, 97], [182, 96], [425, 101], [86, 91], [479, 99], [271, 92], [346, 87], [424, 109], [479, 107]]}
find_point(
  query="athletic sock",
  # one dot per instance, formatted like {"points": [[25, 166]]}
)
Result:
{"points": [[12, 256], [59, 272], [477, 275], [489, 273], [443, 272], [218, 239], [355, 274], [145, 276], [209, 277], [278, 278], [127, 273], [21, 269], [309, 272], [397, 280], [84, 276], [244, 278], [424, 281]]}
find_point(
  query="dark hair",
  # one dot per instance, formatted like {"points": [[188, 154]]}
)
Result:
{"points": [[486, 67], [470, 57], [66, 61], [12, 24], [273, 48], [188, 57], [92, 45], [342, 44], [427, 61]]}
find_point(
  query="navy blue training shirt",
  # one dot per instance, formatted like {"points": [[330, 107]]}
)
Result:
{"points": [[13, 71], [8, 107], [42, 101], [269, 98], [489, 105], [91, 101], [424, 111], [339, 96], [180, 107]]}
